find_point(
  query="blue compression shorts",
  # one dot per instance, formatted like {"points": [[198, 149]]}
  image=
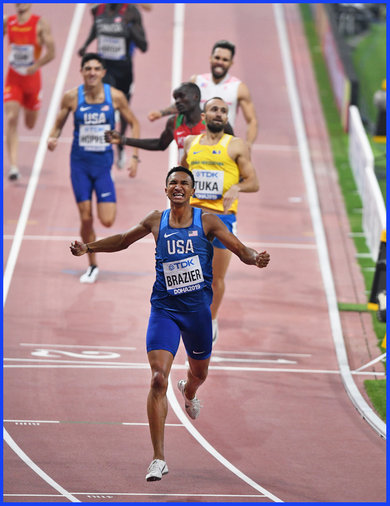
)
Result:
{"points": [[92, 174], [230, 221], [165, 327]]}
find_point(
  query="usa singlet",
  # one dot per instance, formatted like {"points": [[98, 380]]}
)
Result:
{"points": [[214, 173], [90, 123], [183, 266], [227, 89], [181, 131]]}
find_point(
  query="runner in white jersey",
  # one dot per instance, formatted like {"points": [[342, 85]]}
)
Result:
{"points": [[218, 83], [227, 89]]}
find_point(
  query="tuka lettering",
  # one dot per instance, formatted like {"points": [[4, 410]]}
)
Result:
{"points": [[206, 186]]}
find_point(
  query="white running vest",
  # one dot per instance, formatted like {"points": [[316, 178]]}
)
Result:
{"points": [[227, 89]]}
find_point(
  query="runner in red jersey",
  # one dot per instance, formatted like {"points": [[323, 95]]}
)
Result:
{"points": [[27, 34]]}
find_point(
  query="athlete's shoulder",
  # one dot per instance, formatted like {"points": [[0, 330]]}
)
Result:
{"points": [[189, 140], [204, 77], [70, 96], [232, 80], [153, 216], [152, 220], [10, 20], [210, 221]]}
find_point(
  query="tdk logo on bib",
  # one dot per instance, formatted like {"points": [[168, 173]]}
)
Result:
{"points": [[181, 265]]}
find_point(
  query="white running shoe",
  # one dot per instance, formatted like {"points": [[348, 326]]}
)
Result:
{"points": [[121, 161], [13, 173], [215, 330], [192, 406], [156, 470], [91, 274]]}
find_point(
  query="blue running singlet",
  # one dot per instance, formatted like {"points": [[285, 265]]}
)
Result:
{"points": [[183, 266]]}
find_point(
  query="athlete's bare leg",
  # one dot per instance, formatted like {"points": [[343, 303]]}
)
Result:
{"points": [[86, 230], [30, 118], [221, 262], [106, 213], [196, 375], [157, 404], [12, 110]]}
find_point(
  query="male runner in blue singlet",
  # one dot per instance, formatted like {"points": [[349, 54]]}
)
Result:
{"points": [[93, 104], [181, 296]]}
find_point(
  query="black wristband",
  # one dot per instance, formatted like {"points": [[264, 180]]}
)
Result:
{"points": [[88, 249], [122, 142]]}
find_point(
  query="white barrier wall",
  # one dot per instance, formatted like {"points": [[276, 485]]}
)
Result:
{"points": [[361, 159]]}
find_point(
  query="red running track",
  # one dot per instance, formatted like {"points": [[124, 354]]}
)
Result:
{"points": [[76, 375]]}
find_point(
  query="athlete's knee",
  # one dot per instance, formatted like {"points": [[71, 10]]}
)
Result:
{"points": [[30, 119], [159, 383], [200, 374], [30, 124], [107, 221], [86, 221], [11, 120]]}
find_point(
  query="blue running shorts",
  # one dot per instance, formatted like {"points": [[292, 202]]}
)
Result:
{"points": [[165, 327], [230, 220], [93, 174]]}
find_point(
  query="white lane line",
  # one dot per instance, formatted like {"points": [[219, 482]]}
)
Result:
{"points": [[208, 447], [27, 203], [324, 263], [177, 69], [103, 495], [78, 364], [35, 139], [214, 358], [280, 354], [26, 459], [284, 245], [64, 422], [41, 151], [131, 348]]}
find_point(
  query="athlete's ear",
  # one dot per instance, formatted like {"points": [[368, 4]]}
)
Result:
{"points": [[104, 71], [203, 116]]}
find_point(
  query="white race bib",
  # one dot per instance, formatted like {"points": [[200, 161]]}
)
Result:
{"points": [[112, 48], [208, 184], [91, 137], [183, 276], [21, 57]]}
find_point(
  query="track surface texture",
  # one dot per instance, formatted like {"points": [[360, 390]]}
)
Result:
{"points": [[276, 422]]}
